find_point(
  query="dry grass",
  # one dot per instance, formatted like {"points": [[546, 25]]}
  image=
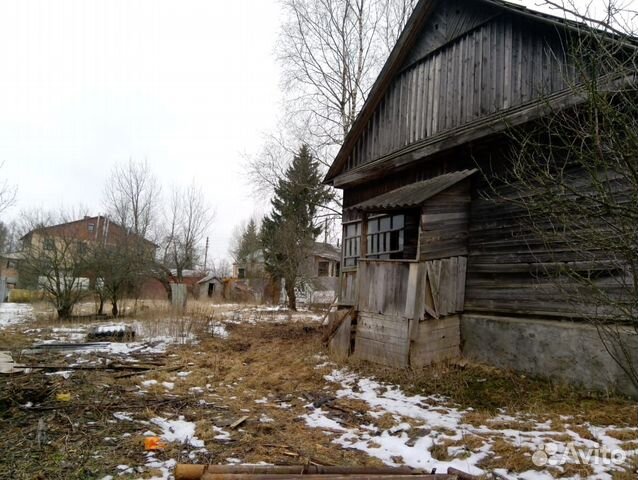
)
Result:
{"points": [[511, 457], [624, 435], [265, 361], [489, 390], [275, 365], [629, 471]]}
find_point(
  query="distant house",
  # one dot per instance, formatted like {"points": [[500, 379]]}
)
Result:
{"points": [[190, 278], [211, 286], [8, 273], [319, 276], [87, 231], [253, 266], [79, 236]]}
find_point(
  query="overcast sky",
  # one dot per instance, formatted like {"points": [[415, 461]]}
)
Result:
{"points": [[189, 85]]}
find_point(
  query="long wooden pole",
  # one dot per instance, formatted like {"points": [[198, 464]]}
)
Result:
{"points": [[196, 472]]}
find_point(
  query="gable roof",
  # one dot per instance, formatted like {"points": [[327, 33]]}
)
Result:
{"points": [[400, 56]]}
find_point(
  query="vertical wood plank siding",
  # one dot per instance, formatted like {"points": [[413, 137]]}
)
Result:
{"points": [[501, 64]]}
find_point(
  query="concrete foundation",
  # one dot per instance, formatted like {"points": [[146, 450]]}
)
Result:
{"points": [[567, 351]]}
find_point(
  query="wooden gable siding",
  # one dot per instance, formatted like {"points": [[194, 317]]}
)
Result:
{"points": [[503, 63], [450, 20]]}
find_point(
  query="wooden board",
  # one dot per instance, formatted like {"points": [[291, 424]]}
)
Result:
{"points": [[435, 341], [382, 339], [339, 344]]}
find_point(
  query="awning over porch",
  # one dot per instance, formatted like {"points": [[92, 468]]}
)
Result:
{"points": [[415, 194]]}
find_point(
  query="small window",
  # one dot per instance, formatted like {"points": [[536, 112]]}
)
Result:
{"points": [[12, 264], [392, 236], [91, 227], [351, 244], [324, 269], [241, 273], [81, 248], [48, 244]]}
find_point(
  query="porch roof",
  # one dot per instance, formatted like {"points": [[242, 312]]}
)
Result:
{"points": [[415, 194]]}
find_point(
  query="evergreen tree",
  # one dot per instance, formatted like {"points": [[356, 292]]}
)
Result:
{"points": [[288, 233], [249, 242]]}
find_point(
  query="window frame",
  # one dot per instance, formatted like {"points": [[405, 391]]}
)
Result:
{"points": [[351, 245], [326, 272]]}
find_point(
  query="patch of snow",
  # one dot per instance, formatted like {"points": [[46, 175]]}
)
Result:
{"points": [[317, 419], [431, 421], [262, 400], [148, 383], [168, 385], [183, 374], [219, 330], [123, 416], [265, 314], [222, 434], [63, 373], [165, 467], [178, 431], [14, 313], [265, 418], [120, 327]]}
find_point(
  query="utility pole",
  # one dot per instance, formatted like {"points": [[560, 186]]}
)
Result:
{"points": [[325, 231], [206, 254]]}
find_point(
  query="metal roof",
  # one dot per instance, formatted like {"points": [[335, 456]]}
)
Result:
{"points": [[414, 194]]}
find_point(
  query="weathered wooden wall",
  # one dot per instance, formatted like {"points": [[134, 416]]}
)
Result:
{"points": [[433, 340], [512, 267], [383, 286], [339, 344], [383, 339], [499, 64], [444, 220], [348, 288]]}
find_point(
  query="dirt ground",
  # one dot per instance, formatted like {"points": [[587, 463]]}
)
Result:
{"points": [[88, 414]]}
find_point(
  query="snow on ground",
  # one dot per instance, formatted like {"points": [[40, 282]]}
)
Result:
{"points": [[219, 330], [268, 314], [14, 313], [178, 430], [421, 422]]}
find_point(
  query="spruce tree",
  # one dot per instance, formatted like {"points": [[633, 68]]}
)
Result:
{"points": [[288, 233], [249, 242]]}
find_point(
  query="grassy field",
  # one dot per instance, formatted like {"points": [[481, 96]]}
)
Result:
{"points": [[218, 364]]}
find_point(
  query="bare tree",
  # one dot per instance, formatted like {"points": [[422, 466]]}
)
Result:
{"points": [[54, 261], [573, 175], [331, 52], [188, 218], [7, 193], [221, 268], [132, 197]]}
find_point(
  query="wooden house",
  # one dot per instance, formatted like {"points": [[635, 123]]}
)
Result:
{"points": [[430, 267]]}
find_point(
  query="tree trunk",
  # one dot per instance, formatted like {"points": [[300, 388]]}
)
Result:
{"points": [[292, 298], [114, 310], [64, 311], [100, 310]]}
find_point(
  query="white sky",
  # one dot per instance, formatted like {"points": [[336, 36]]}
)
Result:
{"points": [[189, 85]]}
